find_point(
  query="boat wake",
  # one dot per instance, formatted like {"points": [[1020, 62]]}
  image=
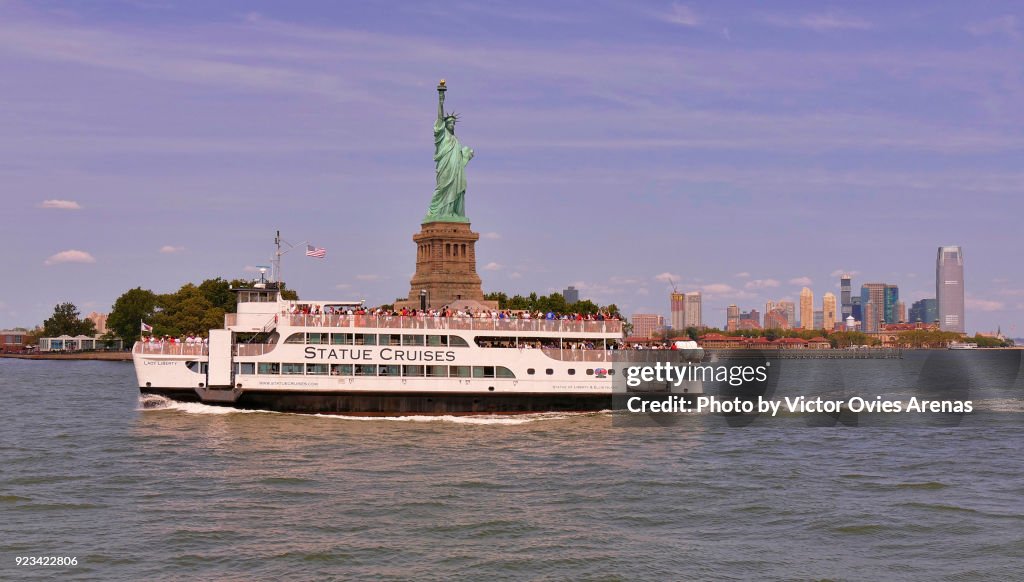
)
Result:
{"points": [[150, 402], [478, 420]]}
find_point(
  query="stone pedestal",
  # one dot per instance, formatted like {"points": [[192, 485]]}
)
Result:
{"points": [[446, 268]]}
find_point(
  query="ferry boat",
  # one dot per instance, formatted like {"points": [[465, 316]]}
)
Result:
{"points": [[963, 346], [318, 357]]}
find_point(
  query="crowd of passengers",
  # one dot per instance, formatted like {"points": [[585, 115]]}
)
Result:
{"points": [[498, 314], [159, 342]]}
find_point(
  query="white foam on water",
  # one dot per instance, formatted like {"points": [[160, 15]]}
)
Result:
{"points": [[1000, 405], [479, 420], [155, 402]]}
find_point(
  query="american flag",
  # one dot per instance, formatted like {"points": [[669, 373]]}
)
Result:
{"points": [[318, 252]]}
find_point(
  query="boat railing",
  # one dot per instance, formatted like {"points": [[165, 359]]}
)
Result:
{"points": [[170, 349], [609, 326]]}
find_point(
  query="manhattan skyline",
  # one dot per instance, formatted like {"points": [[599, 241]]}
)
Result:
{"points": [[744, 151]]}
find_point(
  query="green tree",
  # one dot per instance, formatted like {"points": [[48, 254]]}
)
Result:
{"points": [[67, 321], [218, 293], [186, 311], [129, 311]]}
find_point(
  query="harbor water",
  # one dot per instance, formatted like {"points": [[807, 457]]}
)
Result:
{"points": [[153, 490]]}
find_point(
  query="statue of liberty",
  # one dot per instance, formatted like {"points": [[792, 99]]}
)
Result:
{"points": [[450, 159]]}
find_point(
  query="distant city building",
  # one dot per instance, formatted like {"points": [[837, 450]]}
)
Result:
{"points": [[846, 295], [647, 324], [856, 309], [851, 323], [883, 297], [949, 288], [828, 311], [791, 312], [807, 308], [693, 310], [677, 305], [571, 295], [776, 319], [819, 319], [100, 319], [732, 318], [750, 319], [901, 312], [924, 311]]}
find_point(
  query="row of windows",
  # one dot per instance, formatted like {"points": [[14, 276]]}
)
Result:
{"points": [[307, 369], [572, 371], [377, 339]]}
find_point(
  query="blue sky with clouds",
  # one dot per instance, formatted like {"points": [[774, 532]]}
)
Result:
{"points": [[744, 148]]}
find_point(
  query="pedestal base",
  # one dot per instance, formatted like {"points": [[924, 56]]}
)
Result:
{"points": [[446, 269]]}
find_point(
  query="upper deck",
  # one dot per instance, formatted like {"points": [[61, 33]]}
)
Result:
{"points": [[608, 327]]}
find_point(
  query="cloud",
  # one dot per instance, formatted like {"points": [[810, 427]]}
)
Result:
{"points": [[1006, 25], [742, 275], [368, 277], [516, 275], [841, 272], [819, 22], [761, 284], [682, 15], [984, 304], [60, 204], [490, 236], [169, 249], [667, 277], [805, 281], [492, 266], [343, 286], [70, 256]]}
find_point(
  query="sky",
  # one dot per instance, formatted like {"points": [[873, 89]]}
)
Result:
{"points": [[742, 149]]}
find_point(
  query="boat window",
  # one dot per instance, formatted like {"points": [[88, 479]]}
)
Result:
{"points": [[486, 341], [198, 367], [549, 371], [389, 370], [341, 369], [531, 371], [483, 371], [342, 339], [572, 371], [437, 371], [366, 339], [530, 342], [294, 369], [366, 369], [316, 369], [246, 368], [296, 338], [458, 371], [390, 339], [611, 371], [503, 372], [412, 340], [590, 371], [456, 341], [269, 368], [412, 370], [437, 340], [316, 338]]}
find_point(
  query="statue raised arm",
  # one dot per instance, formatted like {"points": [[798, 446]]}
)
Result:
{"points": [[450, 158]]}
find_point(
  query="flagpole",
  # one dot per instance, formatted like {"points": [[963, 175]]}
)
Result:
{"points": [[275, 275]]}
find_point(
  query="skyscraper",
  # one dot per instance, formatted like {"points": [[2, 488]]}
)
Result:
{"points": [[693, 310], [846, 295], [678, 309], [807, 308], [949, 288], [883, 298], [790, 310], [901, 312], [732, 317], [924, 311], [571, 295], [828, 310]]}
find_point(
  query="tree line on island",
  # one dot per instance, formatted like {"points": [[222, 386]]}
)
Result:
{"points": [[918, 338]]}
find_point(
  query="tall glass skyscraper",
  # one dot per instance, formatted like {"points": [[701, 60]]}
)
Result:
{"points": [[845, 289], [949, 288]]}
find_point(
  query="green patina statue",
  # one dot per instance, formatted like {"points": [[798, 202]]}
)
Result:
{"points": [[450, 159]]}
